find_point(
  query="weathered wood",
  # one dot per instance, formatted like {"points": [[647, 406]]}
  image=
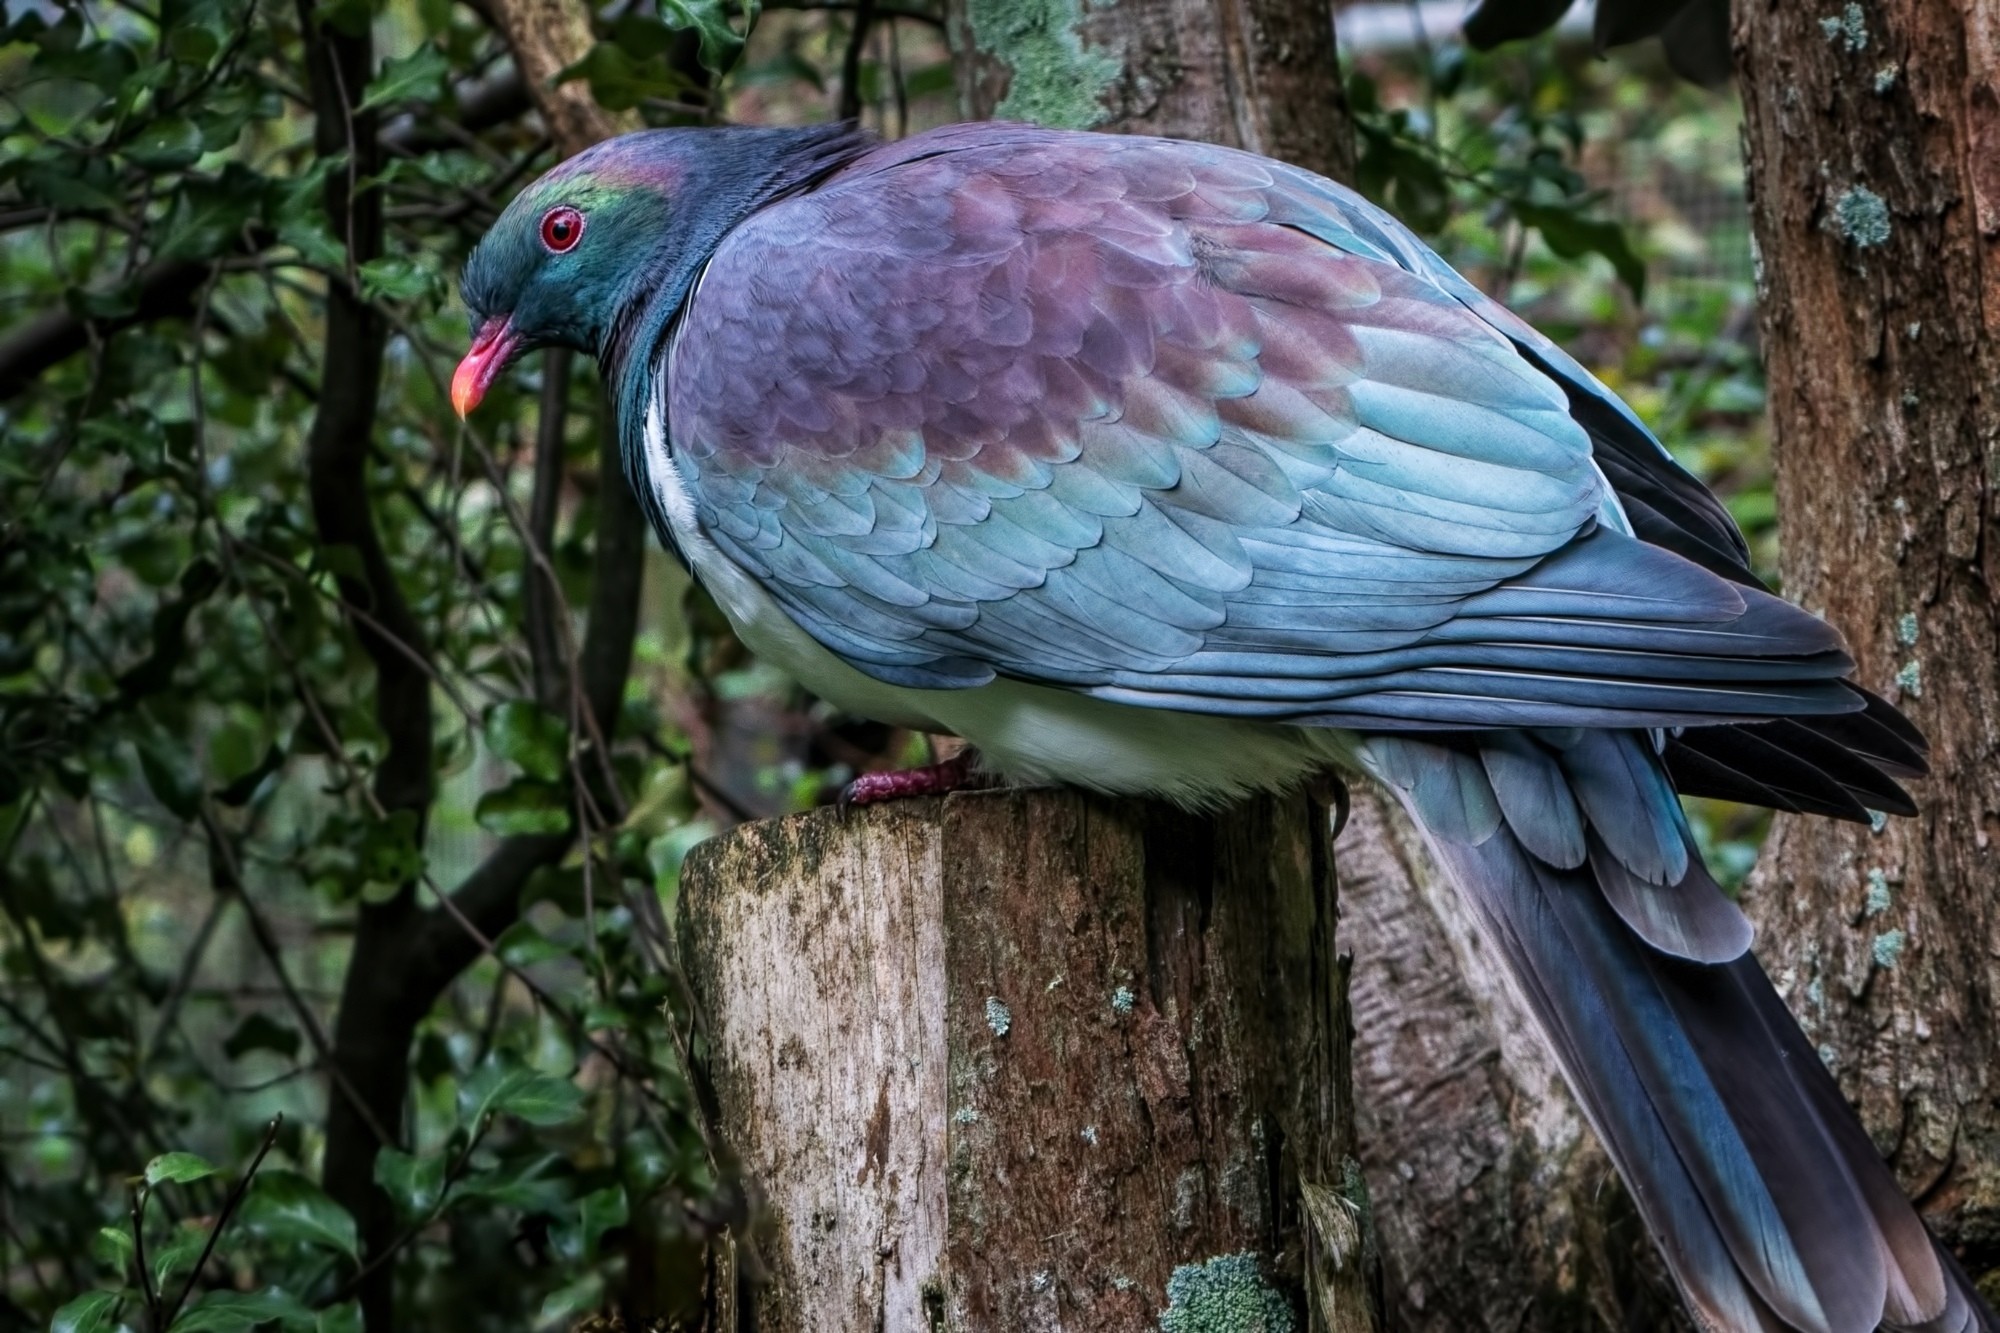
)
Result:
{"points": [[1499, 1209], [1873, 139], [1028, 1060]]}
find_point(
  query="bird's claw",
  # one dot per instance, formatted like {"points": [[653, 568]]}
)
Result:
{"points": [[955, 774]]}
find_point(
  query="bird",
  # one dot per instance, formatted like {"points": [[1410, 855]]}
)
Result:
{"points": [[1157, 467]]}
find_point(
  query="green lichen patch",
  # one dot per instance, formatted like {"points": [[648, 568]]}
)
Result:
{"points": [[998, 1016], [1910, 680], [1122, 1001], [1056, 81], [1907, 629], [1887, 948], [1227, 1294], [1862, 217], [1848, 28], [1878, 892]]}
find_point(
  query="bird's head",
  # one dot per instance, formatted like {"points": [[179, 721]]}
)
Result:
{"points": [[562, 260], [582, 256]]}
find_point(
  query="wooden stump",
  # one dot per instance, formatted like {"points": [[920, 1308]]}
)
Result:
{"points": [[1034, 1060]]}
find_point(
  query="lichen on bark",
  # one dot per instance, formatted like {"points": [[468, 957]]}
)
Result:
{"points": [[1055, 79]]}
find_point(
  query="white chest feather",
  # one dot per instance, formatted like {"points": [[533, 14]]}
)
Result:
{"points": [[1025, 733]]}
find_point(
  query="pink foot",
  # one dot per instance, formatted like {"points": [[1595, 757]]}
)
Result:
{"points": [[954, 774]]}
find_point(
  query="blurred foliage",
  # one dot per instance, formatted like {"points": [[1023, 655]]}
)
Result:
{"points": [[187, 819], [188, 828]]}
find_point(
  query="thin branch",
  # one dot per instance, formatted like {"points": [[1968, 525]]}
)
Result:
{"points": [[452, 1175], [229, 1206], [169, 1012], [152, 1297], [544, 594], [225, 874], [850, 63]]}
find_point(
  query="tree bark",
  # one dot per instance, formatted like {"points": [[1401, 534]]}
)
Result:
{"points": [[1497, 1208], [1034, 1060], [1873, 136], [1255, 74]]}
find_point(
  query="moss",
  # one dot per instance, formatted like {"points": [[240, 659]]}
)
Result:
{"points": [[1227, 1294], [1055, 81], [1862, 217], [1888, 947]]}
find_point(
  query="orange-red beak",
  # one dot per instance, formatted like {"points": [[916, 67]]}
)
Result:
{"points": [[492, 348]]}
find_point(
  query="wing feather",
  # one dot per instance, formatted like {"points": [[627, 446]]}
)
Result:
{"points": [[1187, 428]]}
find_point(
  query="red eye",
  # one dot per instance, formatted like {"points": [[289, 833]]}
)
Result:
{"points": [[562, 228]]}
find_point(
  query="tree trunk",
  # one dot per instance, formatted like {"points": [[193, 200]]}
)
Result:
{"points": [[1256, 74], [1874, 151], [1497, 1208], [1034, 1060]]}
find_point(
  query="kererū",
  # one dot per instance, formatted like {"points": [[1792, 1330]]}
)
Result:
{"points": [[1157, 467]]}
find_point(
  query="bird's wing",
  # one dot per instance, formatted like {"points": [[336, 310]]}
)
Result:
{"points": [[1182, 427]]}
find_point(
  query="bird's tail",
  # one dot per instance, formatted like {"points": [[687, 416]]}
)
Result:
{"points": [[1760, 1186]]}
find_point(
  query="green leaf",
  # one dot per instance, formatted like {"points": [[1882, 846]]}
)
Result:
{"points": [[505, 1089], [261, 1032], [284, 1206], [1572, 235], [241, 1311], [235, 748], [340, 1319], [528, 1184], [619, 81], [721, 45], [208, 217], [192, 44], [417, 75], [414, 1183], [398, 278], [92, 1312], [177, 1257], [597, 1212], [530, 736], [166, 144], [521, 945], [169, 775], [113, 1247], [565, 1305], [177, 1167], [390, 856], [524, 807]]}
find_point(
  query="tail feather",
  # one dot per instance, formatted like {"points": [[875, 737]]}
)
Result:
{"points": [[1772, 1208]]}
